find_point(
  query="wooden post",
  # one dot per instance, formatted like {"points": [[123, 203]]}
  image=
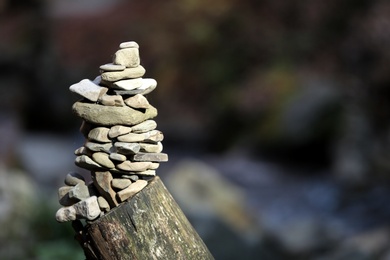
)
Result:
{"points": [[150, 225]]}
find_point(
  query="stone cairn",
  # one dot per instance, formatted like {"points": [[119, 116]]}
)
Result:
{"points": [[123, 148]]}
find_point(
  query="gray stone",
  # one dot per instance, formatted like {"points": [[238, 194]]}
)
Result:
{"points": [[97, 147], [112, 100], [88, 208], [79, 192], [103, 159], [130, 44], [137, 101], [102, 181], [133, 189], [99, 134], [85, 162], [118, 130], [128, 73], [82, 151], [153, 136], [65, 214], [110, 116], [144, 127], [150, 157], [127, 148], [151, 148], [120, 183], [103, 204], [88, 90], [112, 67], [133, 166], [127, 84], [63, 196], [74, 178], [117, 157], [128, 57], [132, 177]]}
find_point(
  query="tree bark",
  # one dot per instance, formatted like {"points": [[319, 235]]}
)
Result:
{"points": [[150, 225]]}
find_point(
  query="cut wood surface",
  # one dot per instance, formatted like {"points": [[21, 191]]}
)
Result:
{"points": [[150, 225]]}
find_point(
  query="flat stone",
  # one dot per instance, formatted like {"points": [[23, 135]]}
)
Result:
{"points": [[150, 157], [98, 147], [118, 130], [82, 151], [151, 148], [133, 166], [117, 157], [127, 148], [133, 189], [99, 134], [153, 136], [85, 162], [112, 100], [63, 196], [144, 127], [110, 116], [112, 67], [120, 183], [148, 85], [147, 173], [88, 208], [79, 192], [74, 178], [66, 214], [103, 204], [130, 44], [88, 90], [128, 57], [127, 84], [137, 101], [103, 159], [102, 181], [128, 73]]}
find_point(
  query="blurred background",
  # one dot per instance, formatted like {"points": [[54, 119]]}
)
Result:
{"points": [[275, 115]]}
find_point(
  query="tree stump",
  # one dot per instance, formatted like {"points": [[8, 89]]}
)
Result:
{"points": [[150, 225]]}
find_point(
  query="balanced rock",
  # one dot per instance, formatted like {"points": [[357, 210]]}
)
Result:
{"points": [[88, 90], [128, 73], [88, 208], [133, 189], [99, 134], [137, 101]]}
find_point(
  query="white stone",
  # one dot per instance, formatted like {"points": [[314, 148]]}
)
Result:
{"points": [[129, 44], [144, 127], [88, 208], [137, 101], [133, 166], [128, 84], [65, 214], [88, 90], [151, 148], [112, 67], [147, 173], [128, 57], [153, 136]]}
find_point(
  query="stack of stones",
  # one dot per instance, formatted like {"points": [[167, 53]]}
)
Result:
{"points": [[122, 148]]}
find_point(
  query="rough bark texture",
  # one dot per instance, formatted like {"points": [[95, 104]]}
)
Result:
{"points": [[148, 226]]}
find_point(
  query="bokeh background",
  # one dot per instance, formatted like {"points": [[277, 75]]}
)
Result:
{"points": [[275, 115]]}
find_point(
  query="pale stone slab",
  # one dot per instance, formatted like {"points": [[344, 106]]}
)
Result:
{"points": [[133, 166], [103, 159], [128, 73], [129, 44], [102, 181], [118, 130], [117, 157], [88, 208], [74, 178], [144, 127], [151, 148], [137, 101], [88, 90], [127, 148], [103, 204], [65, 214], [97, 147], [128, 57], [153, 136], [120, 183], [112, 67], [99, 134], [110, 116], [79, 192], [127, 84], [85, 162], [133, 189], [148, 85], [150, 157], [112, 100], [147, 173]]}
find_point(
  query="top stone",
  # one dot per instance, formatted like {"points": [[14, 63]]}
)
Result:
{"points": [[130, 44]]}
